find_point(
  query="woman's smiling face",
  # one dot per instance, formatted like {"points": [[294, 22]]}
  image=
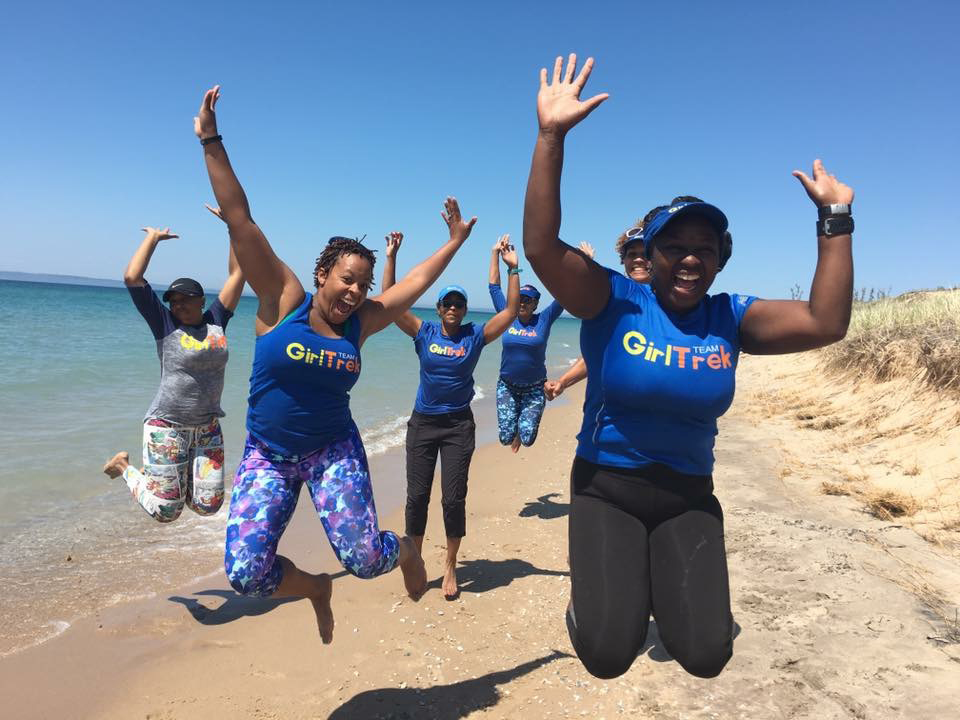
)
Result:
{"points": [[684, 262], [344, 288]]}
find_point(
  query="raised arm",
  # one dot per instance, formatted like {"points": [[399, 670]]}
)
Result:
{"points": [[276, 286], [133, 275], [574, 374], [497, 325], [233, 287], [580, 284], [408, 322], [378, 312], [771, 327], [495, 258]]}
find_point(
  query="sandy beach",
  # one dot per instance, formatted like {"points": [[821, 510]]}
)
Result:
{"points": [[839, 613]]}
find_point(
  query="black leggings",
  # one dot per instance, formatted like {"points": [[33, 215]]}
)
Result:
{"points": [[452, 436], [645, 540]]}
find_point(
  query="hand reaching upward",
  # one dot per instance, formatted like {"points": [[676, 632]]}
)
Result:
{"points": [[394, 240], [559, 107], [459, 228], [158, 234], [205, 123], [824, 189]]}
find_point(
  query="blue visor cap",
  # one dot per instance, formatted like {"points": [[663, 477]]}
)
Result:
{"points": [[451, 289], [529, 291], [712, 214]]}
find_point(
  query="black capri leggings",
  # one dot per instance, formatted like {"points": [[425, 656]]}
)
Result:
{"points": [[452, 436], [643, 540]]}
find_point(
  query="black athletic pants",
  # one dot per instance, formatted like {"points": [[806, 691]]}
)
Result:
{"points": [[452, 436], [645, 540]]}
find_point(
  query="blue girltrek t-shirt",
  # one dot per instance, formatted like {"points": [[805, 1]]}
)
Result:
{"points": [[656, 381], [300, 384], [446, 367], [523, 360]]}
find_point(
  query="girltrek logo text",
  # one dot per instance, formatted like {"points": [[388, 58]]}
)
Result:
{"points": [[325, 358], [448, 351], [715, 357]]}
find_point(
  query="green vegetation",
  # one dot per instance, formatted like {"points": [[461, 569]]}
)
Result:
{"points": [[914, 335]]}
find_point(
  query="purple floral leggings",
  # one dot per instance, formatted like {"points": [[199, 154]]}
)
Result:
{"points": [[265, 493]]}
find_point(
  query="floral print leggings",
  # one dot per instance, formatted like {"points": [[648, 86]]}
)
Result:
{"points": [[182, 465], [265, 493], [519, 409]]}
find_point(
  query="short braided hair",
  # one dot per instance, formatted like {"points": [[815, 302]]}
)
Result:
{"points": [[340, 245]]}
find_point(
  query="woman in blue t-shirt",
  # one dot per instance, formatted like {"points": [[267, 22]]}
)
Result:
{"points": [[646, 531], [523, 370], [306, 360], [441, 421], [182, 439]]}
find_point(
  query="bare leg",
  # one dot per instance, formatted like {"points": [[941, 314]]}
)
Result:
{"points": [[117, 464], [515, 445], [316, 588], [412, 567], [451, 591]]}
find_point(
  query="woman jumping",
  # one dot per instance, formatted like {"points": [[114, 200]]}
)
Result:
{"points": [[523, 370], [441, 421], [646, 531], [306, 360], [182, 441]]}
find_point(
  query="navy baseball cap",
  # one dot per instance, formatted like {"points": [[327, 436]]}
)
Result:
{"points": [[529, 291], [451, 289], [184, 286], [710, 213]]}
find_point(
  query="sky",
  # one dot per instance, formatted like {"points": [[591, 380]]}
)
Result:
{"points": [[360, 118]]}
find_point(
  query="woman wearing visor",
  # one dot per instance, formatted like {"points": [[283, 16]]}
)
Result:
{"points": [[182, 440], [523, 371], [646, 531], [442, 422]]}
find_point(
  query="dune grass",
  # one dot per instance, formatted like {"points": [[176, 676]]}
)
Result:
{"points": [[914, 335]]}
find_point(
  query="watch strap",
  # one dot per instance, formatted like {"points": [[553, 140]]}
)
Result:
{"points": [[835, 225]]}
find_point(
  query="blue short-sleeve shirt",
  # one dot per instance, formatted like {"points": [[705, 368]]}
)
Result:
{"points": [[523, 360], [658, 381], [446, 367]]}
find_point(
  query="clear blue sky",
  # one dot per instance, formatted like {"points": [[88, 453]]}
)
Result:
{"points": [[353, 118]]}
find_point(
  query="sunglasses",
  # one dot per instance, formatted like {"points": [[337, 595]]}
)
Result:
{"points": [[455, 304]]}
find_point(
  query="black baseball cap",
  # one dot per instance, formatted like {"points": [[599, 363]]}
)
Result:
{"points": [[184, 286]]}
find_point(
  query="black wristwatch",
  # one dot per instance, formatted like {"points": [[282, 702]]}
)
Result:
{"points": [[834, 220]]}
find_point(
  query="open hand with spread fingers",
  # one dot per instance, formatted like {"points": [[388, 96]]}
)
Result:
{"points": [[394, 240], [205, 123], [158, 234], [824, 189], [587, 249], [559, 106], [459, 228]]}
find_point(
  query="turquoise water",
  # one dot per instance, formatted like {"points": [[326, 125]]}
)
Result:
{"points": [[77, 371]]}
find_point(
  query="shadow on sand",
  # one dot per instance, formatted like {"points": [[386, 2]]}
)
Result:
{"points": [[440, 702], [234, 606], [545, 509], [477, 576], [653, 647]]}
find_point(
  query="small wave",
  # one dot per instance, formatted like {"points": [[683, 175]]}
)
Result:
{"points": [[386, 435], [56, 627], [478, 393], [566, 345]]}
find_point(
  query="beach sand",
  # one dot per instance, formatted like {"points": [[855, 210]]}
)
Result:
{"points": [[832, 605]]}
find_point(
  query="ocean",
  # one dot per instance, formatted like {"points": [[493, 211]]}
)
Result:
{"points": [[78, 369]]}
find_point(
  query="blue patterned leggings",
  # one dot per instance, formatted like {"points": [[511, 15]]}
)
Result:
{"points": [[264, 497], [519, 409]]}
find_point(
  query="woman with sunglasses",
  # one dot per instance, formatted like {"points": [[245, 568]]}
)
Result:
{"points": [[646, 531], [182, 439], [523, 370], [441, 421], [306, 360]]}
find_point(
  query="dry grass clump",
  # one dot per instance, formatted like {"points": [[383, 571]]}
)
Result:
{"points": [[888, 504], [828, 487], [916, 335]]}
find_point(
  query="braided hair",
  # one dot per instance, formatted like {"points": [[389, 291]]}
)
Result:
{"points": [[340, 245]]}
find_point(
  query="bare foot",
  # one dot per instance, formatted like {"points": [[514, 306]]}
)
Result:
{"points": [[414, 571], [321, 606], [451, 591], [117, 464], [515, 445]]}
